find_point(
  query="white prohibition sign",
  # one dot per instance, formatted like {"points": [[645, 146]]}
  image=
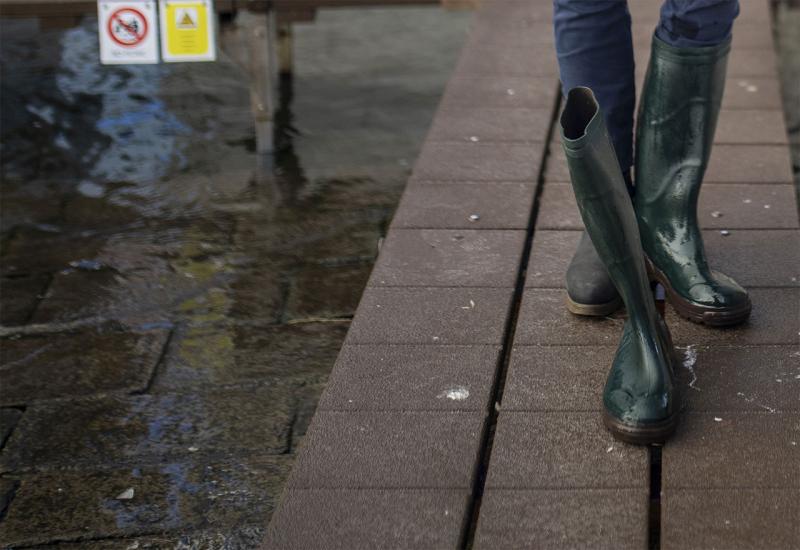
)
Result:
{"points": [[127, 27]]}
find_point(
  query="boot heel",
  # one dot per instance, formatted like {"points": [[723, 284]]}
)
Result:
{"points": [[694, 312], [644, 434]]}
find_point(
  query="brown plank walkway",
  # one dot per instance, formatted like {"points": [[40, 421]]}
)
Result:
{"points": [[463, 408]]}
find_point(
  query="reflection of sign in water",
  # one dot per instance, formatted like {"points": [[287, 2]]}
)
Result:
{"points": [[187, 30], [126, 31], [127, 27]]}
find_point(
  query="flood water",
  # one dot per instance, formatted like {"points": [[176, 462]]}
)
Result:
{"points": [[172, 302]]}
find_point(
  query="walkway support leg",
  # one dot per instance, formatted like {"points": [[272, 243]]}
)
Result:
{"points": [[263, 84], [285, 48]]}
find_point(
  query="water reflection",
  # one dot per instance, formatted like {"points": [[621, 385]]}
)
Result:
{"points": [[135, 212]]}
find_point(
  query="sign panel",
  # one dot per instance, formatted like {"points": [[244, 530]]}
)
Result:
{"points": [[128, 31], [187, 30]]}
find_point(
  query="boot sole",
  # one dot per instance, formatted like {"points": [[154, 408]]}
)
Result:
{"points": [[713, 317], [642, 434], [594, 310]]}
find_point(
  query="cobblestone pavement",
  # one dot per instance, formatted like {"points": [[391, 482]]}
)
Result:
{"points": [[170, 312]]}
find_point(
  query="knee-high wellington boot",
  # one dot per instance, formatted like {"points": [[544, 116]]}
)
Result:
{"points": [[639, 399], [675, 131]]}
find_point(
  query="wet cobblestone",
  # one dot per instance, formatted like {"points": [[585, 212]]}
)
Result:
{"points": [[77, 364], [172, 496], [171, 304]]}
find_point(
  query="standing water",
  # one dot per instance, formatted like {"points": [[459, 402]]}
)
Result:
{"points": [[171, 304]]}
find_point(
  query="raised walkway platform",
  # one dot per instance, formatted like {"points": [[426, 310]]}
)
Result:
{"points": [[463, 409]]}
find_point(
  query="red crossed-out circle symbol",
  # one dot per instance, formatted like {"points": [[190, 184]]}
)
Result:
{"points": [[127, 27]]}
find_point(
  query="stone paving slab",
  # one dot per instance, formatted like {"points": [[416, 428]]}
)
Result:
{"points": [[728, 164], [20, 297], [325, 291], [728, 378], [544, 320], [89, 362], [70, 505], [363, 519], [478, 162], [751, 126], [497, 60], [557, 378], [151, 429], [728, 206], [713, 378], [744, 254], [602, 519], [389, 450], [430, 316], [383, 377], [244, 536], [500, 91], [432, 205], [735, 519], [272, 352], [536, 450], [8, 488], [523, 12], [55, 252], [550, 256], [753, 92], [774, 320], [734, 450], [454, 258], [67, 299], [518, 33], [736, 254], [8, 421], [475, 124]]}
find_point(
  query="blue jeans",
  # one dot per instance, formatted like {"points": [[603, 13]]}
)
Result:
{"points": [[595, 49]]}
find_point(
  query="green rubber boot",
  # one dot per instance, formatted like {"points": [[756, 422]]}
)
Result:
{"points": [[675, 131], [639, 400]]}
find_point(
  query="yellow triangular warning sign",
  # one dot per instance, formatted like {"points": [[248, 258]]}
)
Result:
{"points": [[185, 21]]}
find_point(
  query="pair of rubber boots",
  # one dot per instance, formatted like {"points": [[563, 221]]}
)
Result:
{"points": [[655, 239]]}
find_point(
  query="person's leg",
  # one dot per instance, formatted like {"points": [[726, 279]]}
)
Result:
{"points": [[595, 49], [675, 131], [696, 23]]}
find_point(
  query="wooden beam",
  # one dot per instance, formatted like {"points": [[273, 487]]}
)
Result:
{"points": [[74, 8]]}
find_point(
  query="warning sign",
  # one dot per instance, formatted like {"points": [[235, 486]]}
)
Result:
{"points": [[186, 18], [127, 31], [187, 30]]}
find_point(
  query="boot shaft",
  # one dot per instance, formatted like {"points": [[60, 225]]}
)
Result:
{"points": [[604, 202], [676, 123]]}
